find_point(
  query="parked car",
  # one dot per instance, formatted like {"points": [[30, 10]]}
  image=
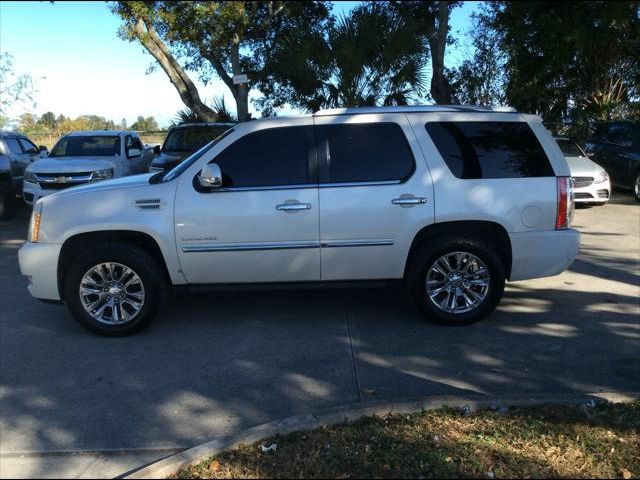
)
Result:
{"points": [[616, 146], [453, 200], [16, 153], [183, 140], [86, 157], [591, 181]]}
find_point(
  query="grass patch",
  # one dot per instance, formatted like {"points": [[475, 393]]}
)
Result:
{"points": [[554, 441]]}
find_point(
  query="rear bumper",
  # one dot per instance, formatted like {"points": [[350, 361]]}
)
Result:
{"points": [[39, 262], [543, 254]]}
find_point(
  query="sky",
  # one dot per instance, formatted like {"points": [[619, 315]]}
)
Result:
{"points": [[80, 65]]}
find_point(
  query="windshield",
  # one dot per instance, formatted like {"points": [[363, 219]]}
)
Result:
{"points": [[87, 146], [184, 165], [570, 148], [191, 139]]}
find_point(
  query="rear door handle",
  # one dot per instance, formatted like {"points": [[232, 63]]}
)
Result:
{"points": [[409, 200], [288, 207]]}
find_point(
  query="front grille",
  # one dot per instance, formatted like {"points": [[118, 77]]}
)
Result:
{"points": [[604, 193], [583, 196], [581, 182], [60, 181], [59, 186]]}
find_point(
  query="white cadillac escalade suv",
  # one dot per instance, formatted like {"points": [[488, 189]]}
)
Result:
{"points": [[454, 200]]}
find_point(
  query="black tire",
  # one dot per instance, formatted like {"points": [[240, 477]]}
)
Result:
{"points": [[430, 252], [141, 262], [635, 188], [7, 202]]}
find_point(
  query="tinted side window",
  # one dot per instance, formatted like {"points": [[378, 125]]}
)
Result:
{"points": [[367, 152], [13, 145], [27, 146], [490, 149], [271, 157]]}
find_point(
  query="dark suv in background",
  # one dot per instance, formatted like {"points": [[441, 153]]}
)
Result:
{"points": [[17, 152], [616, 147], [183, 140]]}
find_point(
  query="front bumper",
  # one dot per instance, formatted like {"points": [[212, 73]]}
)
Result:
{"points": [[594, 193], [543, 254], [32, 192], [39, 262]]}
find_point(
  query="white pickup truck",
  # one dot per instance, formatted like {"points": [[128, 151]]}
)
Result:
{"points": [[85, 157]]}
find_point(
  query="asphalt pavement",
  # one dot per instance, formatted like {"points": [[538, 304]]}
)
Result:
{"points": [[74, 404]]}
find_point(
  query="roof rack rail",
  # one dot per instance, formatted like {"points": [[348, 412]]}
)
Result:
{"points": [[416, 108]]}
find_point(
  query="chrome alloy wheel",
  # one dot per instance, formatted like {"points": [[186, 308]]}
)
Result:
{"points": [[457, 282], [112, 293]]}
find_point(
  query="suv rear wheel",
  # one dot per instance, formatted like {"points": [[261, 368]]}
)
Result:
{"points": [[114, 289], [456, 281], [636, 187]]}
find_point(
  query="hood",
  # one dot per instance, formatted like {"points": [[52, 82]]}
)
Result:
{"points": [[69, 164], [133, 181], [583, 167], [170, 157]]}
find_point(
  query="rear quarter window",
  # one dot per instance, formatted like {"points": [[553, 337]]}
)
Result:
{"points": [[475, 150]]}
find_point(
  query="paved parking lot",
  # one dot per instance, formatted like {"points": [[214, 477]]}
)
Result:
{"points": [[214, 363]]}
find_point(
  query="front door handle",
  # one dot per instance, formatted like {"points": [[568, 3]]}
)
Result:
{"points": [[289, 207], [409, 200]]}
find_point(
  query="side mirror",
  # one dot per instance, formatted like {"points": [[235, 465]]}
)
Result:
{"points": [[157, 149], [210, 176], [133, 152]]}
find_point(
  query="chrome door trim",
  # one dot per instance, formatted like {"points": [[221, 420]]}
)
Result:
{"points": [[355, 243], [254, 246], [247, 247]]}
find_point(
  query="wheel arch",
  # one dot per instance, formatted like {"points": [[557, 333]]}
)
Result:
{"points": [[493, 233], [76, 243]]}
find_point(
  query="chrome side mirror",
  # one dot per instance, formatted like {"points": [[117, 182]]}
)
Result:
{"points": [[210, 176]]}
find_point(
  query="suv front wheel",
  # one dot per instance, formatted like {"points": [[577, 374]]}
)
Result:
{"points": [[456, 281], [114, 289]]}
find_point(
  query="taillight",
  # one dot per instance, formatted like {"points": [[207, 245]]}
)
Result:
{"points": [[566, 202]]}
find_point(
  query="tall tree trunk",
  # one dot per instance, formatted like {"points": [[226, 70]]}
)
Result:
{"points": [[440, 90], [241, 91], [177, 76]]}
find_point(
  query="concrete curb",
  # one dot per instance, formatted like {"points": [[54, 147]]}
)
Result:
{"points": [[165, 467]]}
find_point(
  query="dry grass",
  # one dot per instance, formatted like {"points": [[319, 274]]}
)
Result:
{"points": [[569, 442]]}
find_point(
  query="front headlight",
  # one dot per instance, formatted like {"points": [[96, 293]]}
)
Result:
{"points": [[34, 224], [30, 177], [102, 174], [601, 177]]}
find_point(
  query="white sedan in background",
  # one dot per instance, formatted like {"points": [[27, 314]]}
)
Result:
{"points": [[592, 185], [84, 157]]}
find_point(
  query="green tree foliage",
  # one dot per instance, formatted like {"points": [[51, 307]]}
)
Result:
{"points": [[373, 56], [566, 59], [480, 79], [15, 88], [215, 38], [145, 124], [223, 114], [429, 20], [49, 123]]}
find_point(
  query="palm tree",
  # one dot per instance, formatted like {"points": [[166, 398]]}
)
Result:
{"points": [[223, 115], [370, 57]]}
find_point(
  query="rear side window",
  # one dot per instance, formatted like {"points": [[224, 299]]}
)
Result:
{"points": [[490, 149], [13, 145], [366, 152], [272, 157]]}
